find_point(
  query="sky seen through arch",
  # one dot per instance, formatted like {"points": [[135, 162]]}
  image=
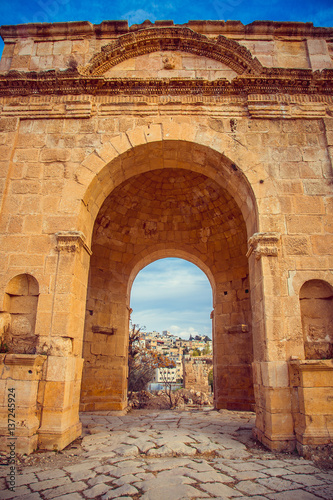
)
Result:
{"points": [[172, 294]]}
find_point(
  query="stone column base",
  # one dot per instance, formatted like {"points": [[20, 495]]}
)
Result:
{"points": [[104, 406], [24, 444], [57, 440], [279, 443]]}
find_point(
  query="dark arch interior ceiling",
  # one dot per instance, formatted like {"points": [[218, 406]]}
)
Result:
{"points": [[174, 208], [222, 49]]}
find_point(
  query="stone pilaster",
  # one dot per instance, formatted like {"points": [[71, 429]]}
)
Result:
{"points": [[60, 415], [274, 422]]}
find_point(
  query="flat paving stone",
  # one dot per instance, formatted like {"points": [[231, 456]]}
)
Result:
{"points": [[126, 489], [50, 474], [171, 492], [293, 495], [249, 475], [209, 477], [278, 484], [25, 479], [50, 483], [97, 490], [129, 478], [64, 490], [70, 496], [21, 491], [305, 479], [251, 488], [221, 490], [301, 469], [322, 491], [31, 496]]}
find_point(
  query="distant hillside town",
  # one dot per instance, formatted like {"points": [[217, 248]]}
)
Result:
{"points": [[191, 359]]}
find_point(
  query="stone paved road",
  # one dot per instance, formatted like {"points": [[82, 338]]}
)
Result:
{"points": [[168, 455]]}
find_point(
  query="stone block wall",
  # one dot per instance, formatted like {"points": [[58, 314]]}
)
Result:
{"points": [[196, 374]]}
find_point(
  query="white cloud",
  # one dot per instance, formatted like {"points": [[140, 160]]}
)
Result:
{"points": [[138, 16], [185, 333]]}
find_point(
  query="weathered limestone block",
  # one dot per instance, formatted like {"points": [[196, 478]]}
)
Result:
{"points": [[21, 376], [60, 416], [312, 402]]}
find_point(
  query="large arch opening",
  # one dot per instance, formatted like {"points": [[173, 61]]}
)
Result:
{"points": [[169, 207]]}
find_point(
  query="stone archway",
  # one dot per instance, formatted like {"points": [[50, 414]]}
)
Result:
{"points": [[170, 205]]}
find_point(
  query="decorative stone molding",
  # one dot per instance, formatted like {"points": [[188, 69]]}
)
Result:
{"points": [[223, 105], [263, 244], [104, 330], [71, 241], [272, 81], [224, 50], [75, 109], [29, 360], [313, 365], [237, 329]]}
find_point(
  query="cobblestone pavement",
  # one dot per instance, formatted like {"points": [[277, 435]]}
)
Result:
{"points": [[168, 455]]}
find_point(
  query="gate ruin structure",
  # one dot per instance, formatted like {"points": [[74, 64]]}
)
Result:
{"points": [[210, 141]]}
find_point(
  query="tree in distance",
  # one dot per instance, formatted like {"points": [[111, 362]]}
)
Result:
{"points": [[142, 362]]}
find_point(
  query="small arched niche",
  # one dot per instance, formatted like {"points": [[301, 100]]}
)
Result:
{"points": [[20, 308], [316, 301]]}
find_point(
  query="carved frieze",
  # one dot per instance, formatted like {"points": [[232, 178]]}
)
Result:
{"points": [[263, 244], [14, 83]]}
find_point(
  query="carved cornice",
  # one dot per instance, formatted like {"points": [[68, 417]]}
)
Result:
{"points": [[71, 241], [263, 244], [106, 29], [227, 51], [69, 82]]}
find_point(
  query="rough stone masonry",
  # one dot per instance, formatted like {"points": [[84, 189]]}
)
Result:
{"points": [[210, 141]]}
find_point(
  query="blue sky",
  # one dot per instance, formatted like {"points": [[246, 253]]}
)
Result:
{"points": [[174, 295], [170, 294]]}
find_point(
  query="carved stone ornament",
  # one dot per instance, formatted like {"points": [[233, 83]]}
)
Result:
{"points": [[71, 241], [237, 329], [273, 81], [104, 330], [263, 244], [146, 41], [168, 62]]}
